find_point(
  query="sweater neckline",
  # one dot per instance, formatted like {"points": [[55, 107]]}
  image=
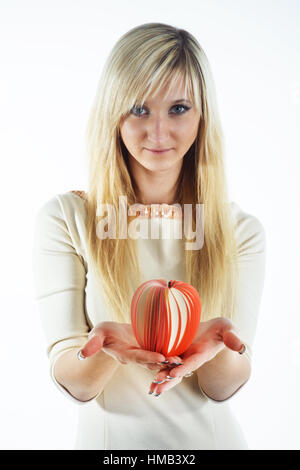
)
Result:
{"points": [[148, 211]]}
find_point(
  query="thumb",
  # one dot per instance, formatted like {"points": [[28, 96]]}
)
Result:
{"points": [[93, 345], [233, 342]]}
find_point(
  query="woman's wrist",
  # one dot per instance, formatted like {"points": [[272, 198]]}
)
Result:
{"points": [[84, 379], [223, 375]]}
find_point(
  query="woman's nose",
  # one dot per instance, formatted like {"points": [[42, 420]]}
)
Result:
{"points": [[158, 130]]}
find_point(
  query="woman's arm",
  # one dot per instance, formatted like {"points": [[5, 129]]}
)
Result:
{"points": [[84, 379], [110, 344], [214, 356], [223, 375]]}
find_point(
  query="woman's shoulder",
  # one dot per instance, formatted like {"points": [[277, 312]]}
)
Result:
{"points": [[60, 202], [61, 218], [63, 209], [82, 194], [249, 229]]}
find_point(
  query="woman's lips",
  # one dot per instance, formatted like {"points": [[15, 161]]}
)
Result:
{"points": [[159, 151]]}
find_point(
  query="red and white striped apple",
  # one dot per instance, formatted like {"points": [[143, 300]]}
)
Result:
{"points": [[165, 316]]}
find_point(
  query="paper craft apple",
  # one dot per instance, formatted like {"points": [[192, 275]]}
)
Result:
{"points": [[165, 316]]}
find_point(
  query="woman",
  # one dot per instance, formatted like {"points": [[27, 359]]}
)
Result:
{"points": [[154, 136]]}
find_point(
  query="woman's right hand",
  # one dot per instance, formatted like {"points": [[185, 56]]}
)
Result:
{"points": [[118, 341]]}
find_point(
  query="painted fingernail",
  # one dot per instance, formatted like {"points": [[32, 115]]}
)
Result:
{"points": [[157, 394], [164, 362], [188, 375], [169, 377], [158, 381], [80, 355], [150, 393], [243, 349], [177, 364]]}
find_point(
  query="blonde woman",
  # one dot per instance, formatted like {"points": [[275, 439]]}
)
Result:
{"points": [[154, 138]]}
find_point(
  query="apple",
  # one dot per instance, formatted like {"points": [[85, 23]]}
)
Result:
{"points": [[165, 316]]}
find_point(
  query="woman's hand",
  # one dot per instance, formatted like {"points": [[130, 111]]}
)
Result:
{"points": [[118, 341], [212, 336]]}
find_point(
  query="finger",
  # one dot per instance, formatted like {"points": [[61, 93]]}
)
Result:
{"points": [[190, 364], [126, 354], [174, 360], [232, 341], [142, 356], [166, 365], [153, 367], [94, 345], [155, 389]]}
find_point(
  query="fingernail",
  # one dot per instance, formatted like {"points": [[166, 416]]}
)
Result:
{"points": [[150, 393], [188, 375], [177, 364], [157, 394], [158, 381], [243, 349], [164, 362], [80, 355], [169, 377]]}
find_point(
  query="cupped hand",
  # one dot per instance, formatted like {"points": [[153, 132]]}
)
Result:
{"points": [[118, 341], [212, 336]]}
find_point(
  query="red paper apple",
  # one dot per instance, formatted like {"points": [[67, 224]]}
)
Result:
{"points": [[165, 316]]}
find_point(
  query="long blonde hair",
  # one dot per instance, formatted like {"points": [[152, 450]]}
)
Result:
{"points": [[145, 59]]}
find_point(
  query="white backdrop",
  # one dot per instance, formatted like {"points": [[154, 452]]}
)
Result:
{"points": [[52, 53]]}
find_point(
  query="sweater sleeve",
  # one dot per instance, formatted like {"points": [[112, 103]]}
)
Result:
{"points": [[251, 237], [59, 281]]}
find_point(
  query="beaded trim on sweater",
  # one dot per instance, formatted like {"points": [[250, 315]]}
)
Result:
{"points": [[165, 211]]}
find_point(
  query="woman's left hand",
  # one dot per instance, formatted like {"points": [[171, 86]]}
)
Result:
{"points": [[212, 336]]}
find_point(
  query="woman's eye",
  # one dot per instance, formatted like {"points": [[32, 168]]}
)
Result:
{"points": [[185, 108], [136, 110]]}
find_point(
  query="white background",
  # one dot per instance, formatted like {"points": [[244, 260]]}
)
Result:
{"points": [[52, 53]]}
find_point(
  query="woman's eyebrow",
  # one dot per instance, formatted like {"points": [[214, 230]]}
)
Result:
{"points": [[182, 99], [178, 101]]}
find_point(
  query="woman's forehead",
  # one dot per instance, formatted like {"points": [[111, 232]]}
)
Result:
{"points": [[169, 91], [173, 89]]}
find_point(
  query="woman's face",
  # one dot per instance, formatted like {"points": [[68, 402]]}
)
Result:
{"points": [[167, 123]]}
